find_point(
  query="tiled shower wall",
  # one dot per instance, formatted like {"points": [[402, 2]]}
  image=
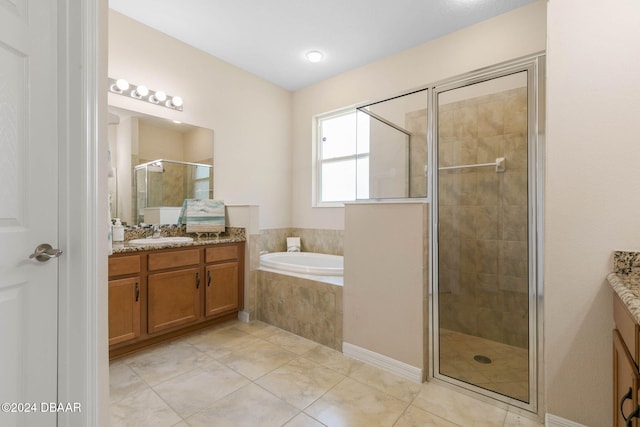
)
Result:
{"points": [[416, 123], [483, 251]]}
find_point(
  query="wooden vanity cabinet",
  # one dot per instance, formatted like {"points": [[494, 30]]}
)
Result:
{"points": [[124, 298], [160, 294], [173, 289], [222, 272], [626, 376]]}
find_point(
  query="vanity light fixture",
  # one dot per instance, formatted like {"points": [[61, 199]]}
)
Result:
{"points": [[143, 93]]}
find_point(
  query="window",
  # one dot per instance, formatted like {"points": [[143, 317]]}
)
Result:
{"points": [[202, 182], [342, 158]]}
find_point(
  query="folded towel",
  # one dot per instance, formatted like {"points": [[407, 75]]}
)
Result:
{"points": [[203, 215], [293, 244]]}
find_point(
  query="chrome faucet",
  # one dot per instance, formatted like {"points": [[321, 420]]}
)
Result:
{"points": [[156, 231]]}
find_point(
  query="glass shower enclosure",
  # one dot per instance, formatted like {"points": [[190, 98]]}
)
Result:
{"points": [[166, 183], [392, 147], [485, 213]]}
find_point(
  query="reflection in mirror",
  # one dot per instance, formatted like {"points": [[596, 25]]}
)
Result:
{"points": [[394, 134], [136, 139], [162, 185]]}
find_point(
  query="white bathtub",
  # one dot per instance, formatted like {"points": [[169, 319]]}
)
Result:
{"points": [[304, 263]]}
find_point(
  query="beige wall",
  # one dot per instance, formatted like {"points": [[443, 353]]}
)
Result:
{"points": [[385, 274], [159, 143], [197, 146], [592, 196], [252, 162], [512, 35]]}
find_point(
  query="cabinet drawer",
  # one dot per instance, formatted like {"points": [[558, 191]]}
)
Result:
{"points": [[221, 253], [119, 266], [164, 260], [627, 326]]}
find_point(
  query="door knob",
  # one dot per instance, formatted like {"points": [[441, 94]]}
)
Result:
{"points": [[45, 252]]}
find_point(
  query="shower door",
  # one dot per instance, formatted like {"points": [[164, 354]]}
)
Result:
{"points": [[484, 261]]}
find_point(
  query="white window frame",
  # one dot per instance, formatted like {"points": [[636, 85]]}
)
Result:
{"points": [[318, 161]]}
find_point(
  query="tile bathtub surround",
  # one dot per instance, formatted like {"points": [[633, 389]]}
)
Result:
{"points": [[275, 240], [305, 307], [289, 381], [312, 240]]}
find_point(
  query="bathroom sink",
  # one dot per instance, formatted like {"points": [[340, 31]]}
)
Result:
{"points": [[160, 241]]}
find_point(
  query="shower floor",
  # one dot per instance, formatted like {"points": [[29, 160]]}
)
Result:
{"points": [[507, 373]]}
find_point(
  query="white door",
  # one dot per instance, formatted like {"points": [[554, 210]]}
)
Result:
{"points": [[28, 211]]}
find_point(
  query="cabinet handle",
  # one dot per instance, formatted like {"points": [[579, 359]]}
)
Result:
{"points": [[634, 414], [627, 396], [137, 291], [197, 280], [208, 278]]}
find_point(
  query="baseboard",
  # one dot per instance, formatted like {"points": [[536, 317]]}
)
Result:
{"points": [[244, 317], [384, 362], [555, 421]]}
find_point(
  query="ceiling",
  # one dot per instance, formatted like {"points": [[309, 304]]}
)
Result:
{"points": [[270, 37]]}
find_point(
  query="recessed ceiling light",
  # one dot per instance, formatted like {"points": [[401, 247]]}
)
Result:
{"points": [[178, 122], [314, 56]]}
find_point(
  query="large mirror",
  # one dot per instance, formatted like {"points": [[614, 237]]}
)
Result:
{"points": [[155, 165]]}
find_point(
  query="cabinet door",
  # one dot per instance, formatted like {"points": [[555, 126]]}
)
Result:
{"points": [[124, 310], [222, 288], [173, 299], [625, 384]]}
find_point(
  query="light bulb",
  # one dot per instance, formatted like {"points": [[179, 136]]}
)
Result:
{"points": [[176, 101], [161, 96], [314, 56], [122, 84], [141, 91]]}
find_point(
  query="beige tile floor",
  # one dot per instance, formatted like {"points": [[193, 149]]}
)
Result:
{"points": [[507, 374], [255, 374]]}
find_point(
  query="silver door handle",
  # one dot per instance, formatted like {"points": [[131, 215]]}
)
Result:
{"points": [[45, 252]]}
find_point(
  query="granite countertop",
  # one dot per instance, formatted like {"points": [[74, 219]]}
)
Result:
{"points": [[625, 280], [231, 235]]}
